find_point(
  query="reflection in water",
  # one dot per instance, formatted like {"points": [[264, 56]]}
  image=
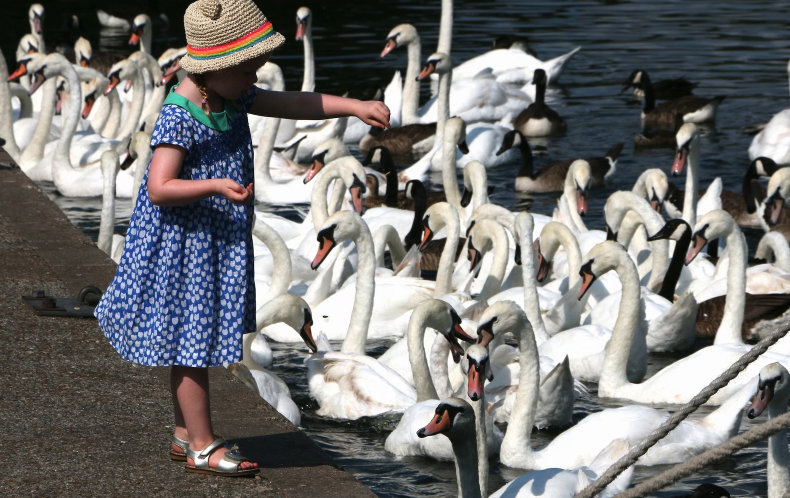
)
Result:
{"points": [[732, 48]]}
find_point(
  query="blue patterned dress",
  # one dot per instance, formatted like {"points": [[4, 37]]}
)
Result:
{"points": [[184, 291]]}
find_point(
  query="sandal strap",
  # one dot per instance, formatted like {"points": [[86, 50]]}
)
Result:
{"points": [[229, 463], [201, 457], [184, 445], [208, 450]]}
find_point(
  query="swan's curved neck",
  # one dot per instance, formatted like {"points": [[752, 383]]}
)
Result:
{"points": [[319, 206], [411, 87], [443, 105], [440, 351], [516, 445], [110, 129], [61, 161], [107, 224], [774, 243], [138, 99], [554, 235], [569, 192], [265, 150], [25, 104], [476, 179], [446, 28], [357, 334], [732, 320], [308, 80], [387, 236], [159, 92], [35, 148], [449, 178], [778, 453], [281, 259], [444, 272], [498, 239], [692, 186], [528, 271], [419, 362], [143, 158], [613, 374], [7, 112]]}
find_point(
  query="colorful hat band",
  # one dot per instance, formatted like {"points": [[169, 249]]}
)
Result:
{"points": [[246, 41]]}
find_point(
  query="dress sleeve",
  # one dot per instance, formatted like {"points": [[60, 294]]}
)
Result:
{"points": [[248, 98], [174, 126]]}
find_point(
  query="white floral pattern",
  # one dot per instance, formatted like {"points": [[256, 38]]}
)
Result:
{"points": [[184, 291]]}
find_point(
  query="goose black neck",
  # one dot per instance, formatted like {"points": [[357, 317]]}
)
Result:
{"points": [[675, 266], [420, 199], [527, 168], [748, 192], [388, 166], [650, 96], [540, 93]]}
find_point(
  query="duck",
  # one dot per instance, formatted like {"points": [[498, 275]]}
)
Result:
{"points": [[693, 109], [539, 120], [662, 89], [402, 442], [773, 394], [683, 379], [293, 312], [455, 418], [551, 177], [772, 141]]}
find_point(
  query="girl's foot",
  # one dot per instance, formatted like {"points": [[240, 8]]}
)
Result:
{"points": [[217, 455]]}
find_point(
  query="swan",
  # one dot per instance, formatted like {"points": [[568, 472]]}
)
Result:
{"points": [[774, 245], [513, 66], [293, 312], [578, 445], [7, 112], [70, 181], [146, 62], [671, 324], [35, 16], [573, 202], [774, 392], [140, 151], [773, 140], [402, 441], [348, 384], [682, 380], [443, 151], [653, 186], [85, 56], [141, 33], [110, 21], [110, 243], [170, 64], [128, 70], [479, 97], [693, 109], [106, 119], [456, 419]]}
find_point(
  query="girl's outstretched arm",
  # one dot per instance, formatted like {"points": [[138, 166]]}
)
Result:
{"points": [[166, 189], [308, 105]]}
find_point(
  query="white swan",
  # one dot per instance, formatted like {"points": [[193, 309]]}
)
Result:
{"points": [[456, 419], [682, 380], [110, 243], [35, 16], [403, 441], [142, 31], [774, 245], [295, 313], [348, 384], [773, 141], [774, 392]]}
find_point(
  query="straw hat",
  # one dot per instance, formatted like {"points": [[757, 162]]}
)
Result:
{"points": [[224, 33]]}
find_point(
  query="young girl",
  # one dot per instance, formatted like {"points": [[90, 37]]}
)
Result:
{"points": [[184, 292]]}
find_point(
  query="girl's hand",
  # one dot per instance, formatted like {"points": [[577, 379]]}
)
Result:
{"points": [[374, 113], [235, 193]]}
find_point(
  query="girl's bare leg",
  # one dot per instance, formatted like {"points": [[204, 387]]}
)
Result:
{"points": [[192, 401]]}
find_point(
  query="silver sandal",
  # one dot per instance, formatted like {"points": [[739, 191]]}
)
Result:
{"points": [[184, 445], [228, 466]]}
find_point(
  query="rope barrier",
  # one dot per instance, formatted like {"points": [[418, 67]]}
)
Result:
{"points": [[711, 456], [701, 398]]}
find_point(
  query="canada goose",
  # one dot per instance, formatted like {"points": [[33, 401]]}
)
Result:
{"points": [[693, 109], [656, 138], [551, 178], [662, 89], [539, 120]]}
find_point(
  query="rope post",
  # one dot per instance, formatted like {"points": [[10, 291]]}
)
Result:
{"points": [[701, 398]]}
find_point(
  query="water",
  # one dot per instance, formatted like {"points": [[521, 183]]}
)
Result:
{"points": [[732, 48]]}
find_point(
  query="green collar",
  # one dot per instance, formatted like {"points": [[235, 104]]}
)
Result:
{"points": [[218, 120]]}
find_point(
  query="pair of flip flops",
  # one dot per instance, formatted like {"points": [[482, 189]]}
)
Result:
{"points": [[227, 467]]}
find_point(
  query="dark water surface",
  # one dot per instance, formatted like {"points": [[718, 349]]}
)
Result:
{"points": [[738, 49]]}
